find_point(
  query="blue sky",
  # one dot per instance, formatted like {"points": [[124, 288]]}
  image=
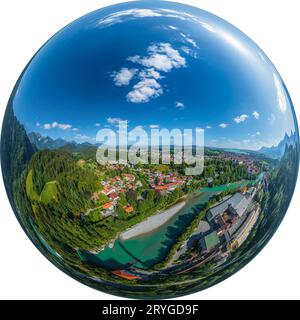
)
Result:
{"points": [[155, 65]]}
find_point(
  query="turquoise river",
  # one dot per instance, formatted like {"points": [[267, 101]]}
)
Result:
{"points": [[147, 249]]}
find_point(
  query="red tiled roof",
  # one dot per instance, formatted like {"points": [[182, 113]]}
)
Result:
{"points": [[125, 275], [128, 209], [113, 196], [107, 190], [107, 205], [166, 186], [129, 176]]}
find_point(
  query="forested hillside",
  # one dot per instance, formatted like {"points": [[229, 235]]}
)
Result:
{"points": [[282, 185], [74, 183], [16, 152]]}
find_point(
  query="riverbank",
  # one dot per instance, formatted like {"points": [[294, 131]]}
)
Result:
{"points": [[153, 222], [152, 243]]}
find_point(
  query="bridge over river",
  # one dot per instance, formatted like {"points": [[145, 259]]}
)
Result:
{"points": [[147, 249]]}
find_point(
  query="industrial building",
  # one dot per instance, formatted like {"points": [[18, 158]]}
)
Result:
{"points": [[209, 242], [236, 205]]}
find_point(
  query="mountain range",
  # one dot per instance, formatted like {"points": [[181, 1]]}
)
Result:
{"points": [[276, 152], [42, 142]]}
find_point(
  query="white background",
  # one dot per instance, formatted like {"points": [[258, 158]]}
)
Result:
{"points": [[25, 25]]}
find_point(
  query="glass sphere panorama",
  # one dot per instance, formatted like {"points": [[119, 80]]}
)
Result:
{"points": [[150, 149]]}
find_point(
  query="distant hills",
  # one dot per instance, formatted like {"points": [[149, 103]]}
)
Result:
{"points": [[42, 142], [276, 152]]}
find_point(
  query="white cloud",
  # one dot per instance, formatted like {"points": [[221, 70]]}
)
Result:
{"points": [[138, 13], [179, 15], [281, 98], [208, 127], [61, 126], [115, 121], [56, 125], [189, 51], [189, 40], [47, 126], [120, 16], [256, 134], [208, 27], [154, 126], [150, 73], [256, 115], [123, 77], [179, 105], [75, 129], [223, 125], [193, 42], [97, 124], [145, 90], [161, 56], [83, 138], [37, 124], [241, 118]]}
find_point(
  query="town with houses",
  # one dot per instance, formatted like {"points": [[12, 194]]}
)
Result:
{"points": [[114, 187], [158, 181], [225, 227]]}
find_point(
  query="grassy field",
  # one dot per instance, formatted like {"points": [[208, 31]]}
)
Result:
{"points": [[48, 194], [29, 187]]}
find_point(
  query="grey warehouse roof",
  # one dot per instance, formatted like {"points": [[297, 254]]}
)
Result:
{"points": [[238, 203]]}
